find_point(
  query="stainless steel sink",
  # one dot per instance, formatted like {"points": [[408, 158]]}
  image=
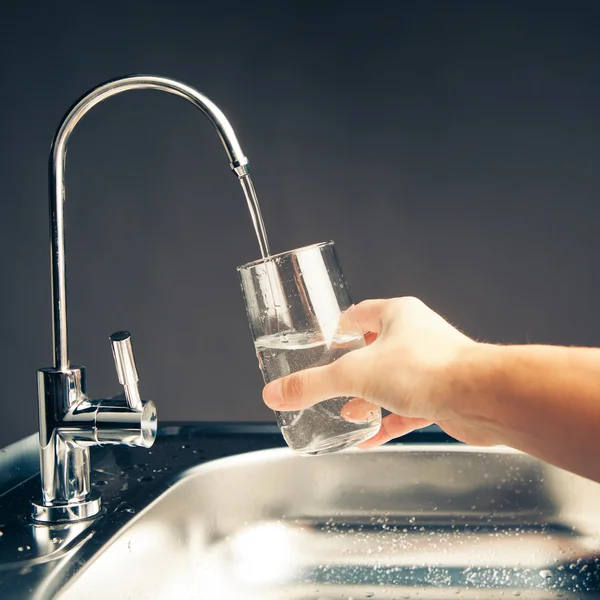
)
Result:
{"points": [[222, 511], [405, 521]]}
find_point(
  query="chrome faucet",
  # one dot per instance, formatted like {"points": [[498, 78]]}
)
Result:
{"points": [[69, 421]]}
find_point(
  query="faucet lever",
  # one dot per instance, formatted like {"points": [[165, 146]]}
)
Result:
{"points": [[125, 365]]}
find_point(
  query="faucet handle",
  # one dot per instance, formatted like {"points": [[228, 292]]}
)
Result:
{"points": [[125, 365]]}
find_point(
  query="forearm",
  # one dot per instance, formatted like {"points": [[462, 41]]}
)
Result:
{"points": [[543, 400]]}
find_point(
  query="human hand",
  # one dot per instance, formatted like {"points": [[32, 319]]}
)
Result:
{"points": [[409, 368]]}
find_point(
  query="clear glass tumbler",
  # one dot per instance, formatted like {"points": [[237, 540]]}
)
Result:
{"points": [[295, 301]]}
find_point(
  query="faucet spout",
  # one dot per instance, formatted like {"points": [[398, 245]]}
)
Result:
{"points": [[237, 161]]}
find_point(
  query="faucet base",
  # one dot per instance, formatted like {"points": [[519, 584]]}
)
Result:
{"points": [[67, 513]]}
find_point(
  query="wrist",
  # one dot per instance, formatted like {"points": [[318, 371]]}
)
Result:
{"points": [[472, 383]]}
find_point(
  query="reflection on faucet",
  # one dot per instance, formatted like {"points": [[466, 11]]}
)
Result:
{"points": [[52, 538], [69, 421]]}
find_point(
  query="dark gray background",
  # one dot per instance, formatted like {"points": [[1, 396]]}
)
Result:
{"points": [[450, 149]]}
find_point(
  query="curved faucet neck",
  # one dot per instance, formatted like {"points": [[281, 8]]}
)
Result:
{"points": [[238, 163]]}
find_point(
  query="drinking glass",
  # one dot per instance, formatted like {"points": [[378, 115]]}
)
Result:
{"points": [[295, 303]]}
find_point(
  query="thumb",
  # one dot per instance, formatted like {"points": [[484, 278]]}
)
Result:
{"points": [[308, 387]]}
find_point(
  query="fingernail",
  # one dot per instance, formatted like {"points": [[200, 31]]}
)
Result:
{"points": [[273, 393]]}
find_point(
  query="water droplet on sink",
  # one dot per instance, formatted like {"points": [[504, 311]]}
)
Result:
{"points": [[100, 482], [1, 533], [546, 574], [146, 478], [20, 548], [185, 446], [130, 510], [56, 540]]}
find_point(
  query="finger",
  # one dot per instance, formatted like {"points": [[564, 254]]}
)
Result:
{"points": [[368, 314], [310, 386], [393, 426], [359, 410]]}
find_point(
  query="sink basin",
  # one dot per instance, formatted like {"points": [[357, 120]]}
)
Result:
{"points": [[404, 521]]}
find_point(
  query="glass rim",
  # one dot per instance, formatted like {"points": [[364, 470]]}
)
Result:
{"points": [[272, 257]]}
